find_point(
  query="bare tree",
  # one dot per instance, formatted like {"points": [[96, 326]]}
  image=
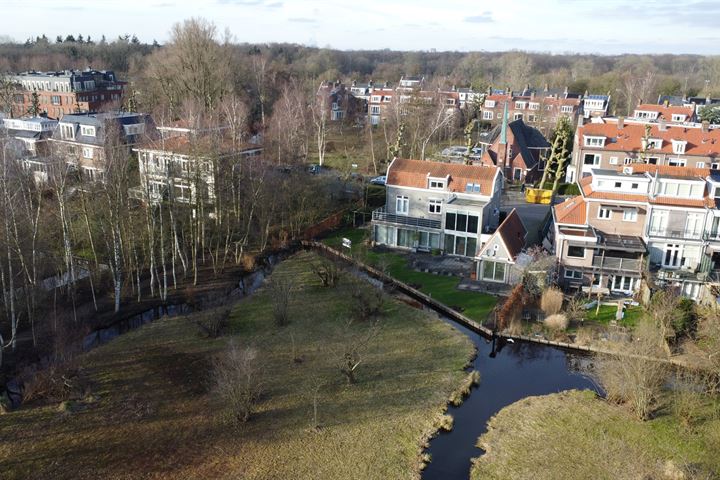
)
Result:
{"points": [[636, 379], [238, 380], [281, 289], [355, 344]]}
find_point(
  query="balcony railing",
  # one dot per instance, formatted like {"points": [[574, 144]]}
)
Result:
{"points": [[619, 264], [679, 234], [380, 215]]}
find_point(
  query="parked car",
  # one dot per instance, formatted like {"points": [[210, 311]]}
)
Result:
{"points": [[381, 180]]}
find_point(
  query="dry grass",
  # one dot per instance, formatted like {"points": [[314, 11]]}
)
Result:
{"points": [[154, 417], [551, 301], [557, 322], [574, 435]]}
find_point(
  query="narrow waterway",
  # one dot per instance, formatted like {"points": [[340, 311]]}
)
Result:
{"points": [[507, 374]]}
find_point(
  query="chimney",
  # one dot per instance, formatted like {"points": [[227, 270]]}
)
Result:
{"points": [[662, 125], [621, 123], [370, 83], [705, 126]]}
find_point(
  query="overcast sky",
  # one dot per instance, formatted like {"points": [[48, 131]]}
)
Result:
{"points": [[598, 26]]}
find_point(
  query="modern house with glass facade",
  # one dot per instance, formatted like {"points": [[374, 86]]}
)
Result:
{"points": [[439, 206]]}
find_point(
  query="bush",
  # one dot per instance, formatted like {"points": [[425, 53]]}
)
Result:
{"points": [[557, 322], [367, 302], [237, 379], [551, 301], [212, 323], [281, 289]]}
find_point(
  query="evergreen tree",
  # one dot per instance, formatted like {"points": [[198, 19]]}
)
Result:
{"points": [[70, 39], [34, 109], [58, 39]]}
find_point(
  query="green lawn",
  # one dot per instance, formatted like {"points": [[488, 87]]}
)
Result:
{"points": [[607, 314], [474, 305], [152, 413], [574, 435]]}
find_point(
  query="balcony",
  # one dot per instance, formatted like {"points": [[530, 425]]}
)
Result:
{"points": [[617, 264], [679, 234], [380, 215]]}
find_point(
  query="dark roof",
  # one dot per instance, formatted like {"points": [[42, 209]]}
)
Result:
{"points": [[101, 121], [528, 137], [513, 233], [489, 136]]}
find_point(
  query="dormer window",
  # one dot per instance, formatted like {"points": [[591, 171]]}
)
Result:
{"points": [[678, 117], [87, 131], [437, 184], [519, 105], [472, 188], [679, 146], [534, 106], [646, 115], [490, 103], [594, 141], [67, 131], [566, 109], [654, 143]]}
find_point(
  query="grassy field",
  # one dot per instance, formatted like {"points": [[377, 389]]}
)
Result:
{"points": [[574, 435], [153, 415], [607, 314], [474, 305]]}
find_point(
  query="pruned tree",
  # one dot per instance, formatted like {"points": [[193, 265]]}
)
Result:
{"points": [[559, 153]]}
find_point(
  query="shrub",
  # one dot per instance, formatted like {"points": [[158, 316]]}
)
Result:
{"points": [[281, 289], [557, 322], [328, 271], [367, 302], [237, 377], [472, 379], [551, 301], [212, 323]]}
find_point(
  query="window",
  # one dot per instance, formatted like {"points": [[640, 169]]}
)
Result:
{"points": [[591, 159], [679, 146], [499, 116], [700, 165], [493, 271], [487, 115], [604, 213], [87, 152], [629, 215], [518, 116], [613, 160], [55, 99], [334, 105], [576, 252], [594, 141], [678, 118], [437, 184], [472, 188], [375, 110], [618, 184], [652, 160], [573, 274], [435, 206], [534, 106], [634, 186], [566, 109], [490, 103], [337, 115], [532, 118], [654, 143], [715, 166], [519, 105], [87, 131], [461, 222], [67, 131], [677, 162], [402, 205]]}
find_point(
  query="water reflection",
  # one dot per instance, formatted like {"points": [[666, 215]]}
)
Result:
{"points": [[508, 373]]}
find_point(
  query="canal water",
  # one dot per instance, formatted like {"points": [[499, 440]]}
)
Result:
{"points": [[508, 373]]}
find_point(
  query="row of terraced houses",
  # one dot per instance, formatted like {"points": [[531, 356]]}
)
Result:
{"points": [[648, 211]]}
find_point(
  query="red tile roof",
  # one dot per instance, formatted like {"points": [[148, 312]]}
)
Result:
{"points": [[666, 112], [414, 173], [629, 138], [668, 170], [572, 211]]}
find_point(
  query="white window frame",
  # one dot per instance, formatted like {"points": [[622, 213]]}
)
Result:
{"points": [[603, 217], [613, 160], [87, 130], [679, 146], [566, 109], [572, 274], [630, 215], [677, 162], [487, 115], [87, 152], [435, 206], [436, 184], [591, 141], [490, 103], [402, 205]]}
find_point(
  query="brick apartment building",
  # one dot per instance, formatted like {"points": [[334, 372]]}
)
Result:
{"points": [[339, 102], [66, 92], [608, 142]]}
